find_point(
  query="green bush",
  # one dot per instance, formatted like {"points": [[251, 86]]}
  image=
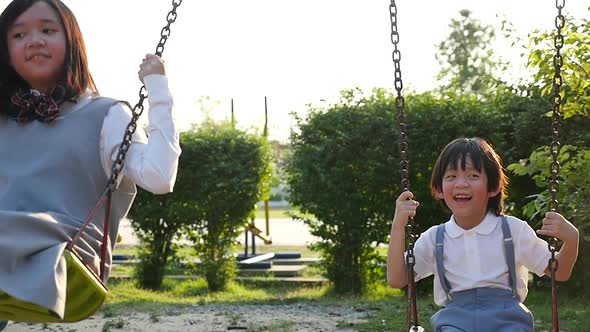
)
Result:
{"points": [[230, 170], [344, 167], [343, 170], [573, 198], [159, 220]]}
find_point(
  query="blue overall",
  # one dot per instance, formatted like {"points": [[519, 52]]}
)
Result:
{"points": [[483, 309]]}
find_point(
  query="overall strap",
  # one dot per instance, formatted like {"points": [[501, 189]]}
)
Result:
{"points": [[438, 251], [509, 253]]}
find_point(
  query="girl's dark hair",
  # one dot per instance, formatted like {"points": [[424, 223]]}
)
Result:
{"points": [[77, 78], [483, 155]]}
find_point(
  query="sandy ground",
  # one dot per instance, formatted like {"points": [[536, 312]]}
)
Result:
{"points": [[218, 318]]}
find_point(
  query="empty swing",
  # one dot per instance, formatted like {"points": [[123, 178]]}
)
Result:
{"points": [[85, 290]]}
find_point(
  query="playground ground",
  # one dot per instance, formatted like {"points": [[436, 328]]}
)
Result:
{"points": [[223, 317], [300, 311], [218, 318]]}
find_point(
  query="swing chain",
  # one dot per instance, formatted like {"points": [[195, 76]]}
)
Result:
{"points": [[400, 103], [170, 18], [556, 121], [138, 109], [555, 147], [399, 100]]}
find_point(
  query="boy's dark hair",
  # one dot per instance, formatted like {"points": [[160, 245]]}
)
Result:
{"points": [[483, 155], [77, 78]]}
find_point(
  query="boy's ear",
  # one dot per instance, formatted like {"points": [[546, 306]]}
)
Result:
{"points": [[494, 193], [439, 194]]}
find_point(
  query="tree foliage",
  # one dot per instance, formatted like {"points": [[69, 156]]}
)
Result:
{"points": [[343, 171], [573, 196], [344, 167], [230, 170], [158, 220], [574, 157], [575, 67], [466, 56]]}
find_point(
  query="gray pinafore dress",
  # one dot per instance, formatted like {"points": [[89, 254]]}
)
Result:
{"points": [[481, 309], [51, 177]]}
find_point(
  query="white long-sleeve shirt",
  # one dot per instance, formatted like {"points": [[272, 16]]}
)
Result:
{"points": [[152, 159]]}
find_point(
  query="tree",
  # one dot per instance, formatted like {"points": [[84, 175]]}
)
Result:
{"points": [[574, 157], [466, 57], [344, 166], [230, 170], [573, 197], [576, 65], [158, 220], [343, 171]]}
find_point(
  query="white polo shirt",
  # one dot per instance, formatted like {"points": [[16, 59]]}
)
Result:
{"points": [[475, 258]]}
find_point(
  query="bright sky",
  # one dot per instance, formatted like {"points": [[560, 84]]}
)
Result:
{"points": [[293, 52]]}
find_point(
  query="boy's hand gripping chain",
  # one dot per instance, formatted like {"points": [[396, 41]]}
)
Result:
{"points": [[555, 147], [123, 148], [412, 310]]}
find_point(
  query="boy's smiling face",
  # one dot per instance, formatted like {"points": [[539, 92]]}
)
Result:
{"points": [[465, 192]]}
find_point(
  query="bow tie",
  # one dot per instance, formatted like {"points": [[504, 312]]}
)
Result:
{"points": [[33, 105]]}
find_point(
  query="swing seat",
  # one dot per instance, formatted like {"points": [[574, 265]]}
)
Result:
{"points": [[85, 293]]}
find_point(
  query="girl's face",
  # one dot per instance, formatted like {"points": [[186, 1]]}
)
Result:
{"points": [[465, 192], [37, 46]]}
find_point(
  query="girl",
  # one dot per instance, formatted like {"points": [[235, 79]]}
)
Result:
{"points": [[480, 258], [58, 140]]}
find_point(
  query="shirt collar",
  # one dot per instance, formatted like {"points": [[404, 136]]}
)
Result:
{"points": [[487, 225], [83, 100]]}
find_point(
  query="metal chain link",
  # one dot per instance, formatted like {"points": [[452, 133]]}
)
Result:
{"points": [[555, 148], [138, 108], [404, 163], [556, 123]]}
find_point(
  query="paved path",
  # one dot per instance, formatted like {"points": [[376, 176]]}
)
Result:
{"points": [[284, 232]]}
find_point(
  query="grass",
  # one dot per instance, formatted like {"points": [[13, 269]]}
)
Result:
{"points": [[573, 312], [278, 213], [274, 213], [385, 307], [118, 323], [124, 296]]}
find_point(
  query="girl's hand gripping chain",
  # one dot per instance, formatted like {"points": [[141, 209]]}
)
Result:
{"points": [[151, 64]]}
